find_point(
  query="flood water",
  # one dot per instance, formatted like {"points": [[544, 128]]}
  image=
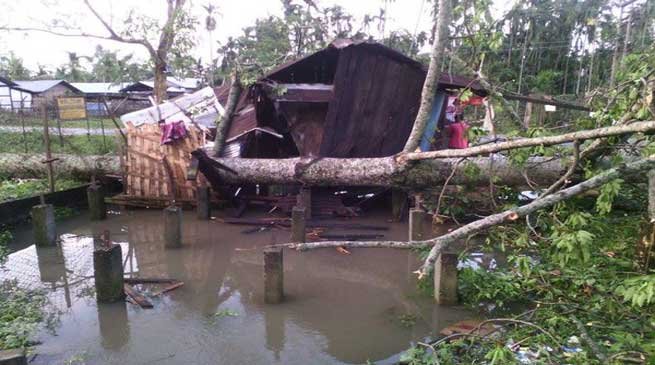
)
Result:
{"points": [[339, 309]]}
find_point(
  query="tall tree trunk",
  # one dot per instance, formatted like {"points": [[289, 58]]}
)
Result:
{"points": [[580, 74], [224, 122], [432, 77], [524, 49], [511, 44], [615, 54], [161, 84], [413, 170], [626, 40], [590, 76], [566, 74], [379, 171]]}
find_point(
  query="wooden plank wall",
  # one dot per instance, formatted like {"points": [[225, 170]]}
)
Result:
{"points": [[376, 101], [156, 171]]}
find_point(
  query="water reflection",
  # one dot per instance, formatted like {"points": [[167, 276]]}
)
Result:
{"points": [[274, 323], [339, 308], [114, 325]]}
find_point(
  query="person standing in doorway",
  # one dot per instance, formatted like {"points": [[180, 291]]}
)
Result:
{"points": [[457, 133]]}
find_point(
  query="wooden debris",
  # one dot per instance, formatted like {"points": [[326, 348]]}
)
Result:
{"points": [[255, 230], [173, 286], [147, 202], [139, 298], [133, 281], [350, 237], [469, 326], [342, 250], [286, 222]]}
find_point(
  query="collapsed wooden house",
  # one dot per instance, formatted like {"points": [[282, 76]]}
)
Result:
{"points": [[155, 166], [350, 99]]}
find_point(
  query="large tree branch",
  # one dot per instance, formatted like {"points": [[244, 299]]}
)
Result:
{"points": [[167, 35], [637, 127], [224, 121], [442, 243], [431, 78], [113, 35], [569, 173]]}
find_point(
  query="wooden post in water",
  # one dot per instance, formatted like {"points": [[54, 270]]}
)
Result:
{"points": [[203, 207], [43, 224], [48, 153], [398, 205], [445, 279], [108, 273], [416, 219], [298, 224], [173, 227], [305, 200], [96, 199], [273, 275]]}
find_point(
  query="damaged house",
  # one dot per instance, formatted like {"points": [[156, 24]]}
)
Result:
{"points": [[350, 99]]}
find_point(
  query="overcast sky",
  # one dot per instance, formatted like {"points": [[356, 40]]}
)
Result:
{"points": [[50, 51]]}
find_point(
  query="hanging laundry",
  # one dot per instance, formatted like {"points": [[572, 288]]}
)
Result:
{"points": [[171, 132]]}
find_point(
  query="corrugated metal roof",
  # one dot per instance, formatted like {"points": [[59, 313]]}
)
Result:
{"points": [[39, 86], [100, 87], [170, 89], [184, 82], [6, 81], [199, 107], [445, 80]]}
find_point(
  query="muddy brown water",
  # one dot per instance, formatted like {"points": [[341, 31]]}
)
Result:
{"points": [[340, 309]]}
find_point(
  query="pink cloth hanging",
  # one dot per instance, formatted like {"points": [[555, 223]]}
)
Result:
{"points": [[171, 132]]}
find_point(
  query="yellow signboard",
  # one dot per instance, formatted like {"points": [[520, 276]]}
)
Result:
{"points": [[71, 108]]}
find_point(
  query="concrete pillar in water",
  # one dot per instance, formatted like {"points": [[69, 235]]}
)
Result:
{"points": [[203, 207], [13, 357], [445, 279], [43, 225], [96, 197], [114, 325], [416, 219], [305, 200], [108, 273], [173, 227], [298, 224], [273, 275], [398, 205]]}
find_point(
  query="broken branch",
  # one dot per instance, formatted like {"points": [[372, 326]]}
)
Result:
{"points": [[637, 127]]}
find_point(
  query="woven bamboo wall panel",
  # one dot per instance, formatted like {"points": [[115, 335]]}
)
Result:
{"points": [[156, 171]]}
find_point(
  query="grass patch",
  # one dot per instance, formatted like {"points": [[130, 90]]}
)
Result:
{"points": [[20, 313], [24, 188], [94, 123], [32, 142]]}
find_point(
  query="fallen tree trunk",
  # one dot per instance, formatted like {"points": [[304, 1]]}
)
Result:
{"points": [[409, 170], [72, 166], [379, 171], [442, 243]]}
